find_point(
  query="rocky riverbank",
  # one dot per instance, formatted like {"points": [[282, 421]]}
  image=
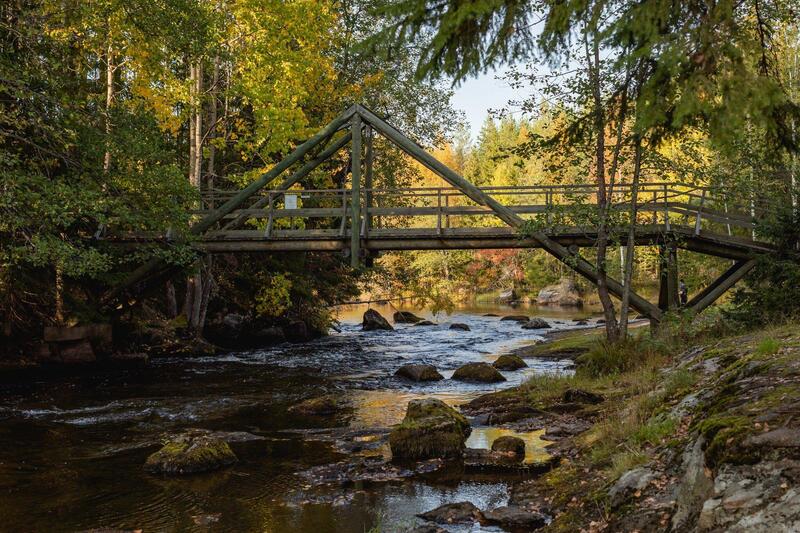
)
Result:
{"points": [[705, 439]]}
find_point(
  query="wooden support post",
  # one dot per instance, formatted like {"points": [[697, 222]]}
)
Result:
{"points": [[368, 181], [574, 261], [447, 210], [668, 277], [268, 232], [666, 208], [355, 197], [439, 211], [728, 279]]}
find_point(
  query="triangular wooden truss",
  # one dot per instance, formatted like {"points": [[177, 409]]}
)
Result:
{"points": [[325, 144]]}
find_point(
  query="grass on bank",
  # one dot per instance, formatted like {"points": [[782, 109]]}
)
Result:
{"points": [[642, 381]]}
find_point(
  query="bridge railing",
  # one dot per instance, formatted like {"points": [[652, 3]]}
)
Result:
{"points": [[441, 209]]}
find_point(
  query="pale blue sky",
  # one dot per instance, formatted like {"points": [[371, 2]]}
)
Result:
{"points": [[476, 96]]}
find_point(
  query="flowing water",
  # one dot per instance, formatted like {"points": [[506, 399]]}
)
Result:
{"points": [[72, 443]]}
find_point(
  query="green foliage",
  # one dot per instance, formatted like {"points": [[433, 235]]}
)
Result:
{"points": [[274, 297], [768, 346]]}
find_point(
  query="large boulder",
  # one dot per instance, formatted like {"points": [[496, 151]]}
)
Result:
{"points": [[507, 296], [536, 323], [419, 373], [479, 372], [565, 293], [514, 318], [373, 321], [510, 445], [430, 429], [509, 362], [406, 317], [453, 513], [190, 453]]}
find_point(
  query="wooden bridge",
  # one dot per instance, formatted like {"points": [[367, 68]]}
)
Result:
{"points": [[364, 220]]}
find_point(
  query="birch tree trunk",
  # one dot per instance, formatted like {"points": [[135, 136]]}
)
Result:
{"points": [[109, 102], [630, 251]]}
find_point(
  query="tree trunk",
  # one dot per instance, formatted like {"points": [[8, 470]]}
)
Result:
{"points": [[194, 285], [172, 303], [59, 296], [593, 60], [630, 251], [109, 101]]}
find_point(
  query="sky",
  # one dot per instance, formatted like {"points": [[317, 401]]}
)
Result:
{"points": [[476, 96]]}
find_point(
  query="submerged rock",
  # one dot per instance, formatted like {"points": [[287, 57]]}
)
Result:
{"points": [[511, 445], [536, 323], [374, 321], [430, 429], [453, 513], [406, 317], [509, 362], [565, 293], [322, 405], [514, 318], [191, 453], [419, 373], [479, 372], [513, 518], [426, 323], [459, 326]]}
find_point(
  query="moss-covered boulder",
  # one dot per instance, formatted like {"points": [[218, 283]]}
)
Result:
{"points": [[374, 321], [478, 372], [419, 373], [190, 453], [430, 429], [509, 362], [406, 317], [510, 445], [536, 323]]}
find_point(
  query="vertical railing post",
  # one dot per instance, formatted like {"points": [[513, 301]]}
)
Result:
{"points": [[666, 207], [270, 220], [439, 211], [355, 173], [368, 183], [447, 210], [697, 220]]}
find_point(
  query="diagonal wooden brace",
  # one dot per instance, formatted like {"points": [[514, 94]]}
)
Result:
{"points": [[728, 279], [574, 261]]}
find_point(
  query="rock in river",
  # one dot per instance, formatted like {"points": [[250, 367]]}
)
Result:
{"points": [[322, 405], [430, 429], [406, 317], [459, 326], [536, 323], [513, 518], [509, 362], [419, 373], [511, 445], [190, 453], [373, 320], [453, 513], [480, 372], [515, 318], [426, 323]]}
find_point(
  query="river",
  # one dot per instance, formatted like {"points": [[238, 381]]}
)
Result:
{"points": [[72, 443]]}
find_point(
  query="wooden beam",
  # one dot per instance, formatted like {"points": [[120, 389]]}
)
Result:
{"points": [[155, 265], [728, 279], [574, 261], [368, 182], [295, 177], [355, 197], [269, 176]]}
